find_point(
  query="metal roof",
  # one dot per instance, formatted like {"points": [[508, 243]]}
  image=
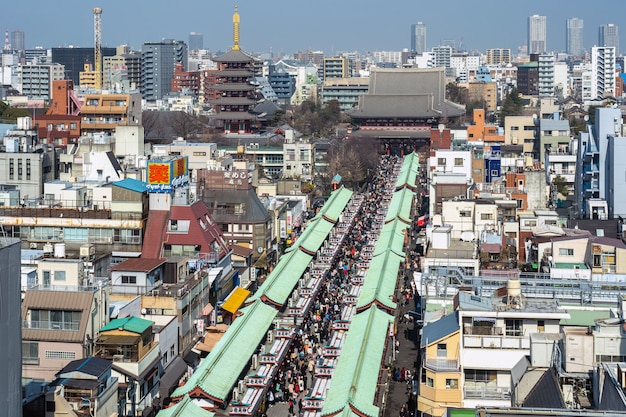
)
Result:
{"points": [[400, 205], [87, 368], [281, 282], [131, 184], [355, 380], [391, 238], [58, 300], [219, 372], [130, 323], [380, 281], [439, 329], [235, 299]]}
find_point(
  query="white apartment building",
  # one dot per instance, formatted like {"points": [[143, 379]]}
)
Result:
{"points": [[602, 73]]}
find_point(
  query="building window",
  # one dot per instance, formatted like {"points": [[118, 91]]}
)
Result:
{"points": [[452, 383], [199, 154], [19, 169], [541, 326], [173, 225], [28, 169], [441, 161], [486, 216], [514, 327], [129, 279], [442, 351], [566, 252], [458, 162], [11, 168], [59, 276], [465, 213], [430, 382], [30, 353], [514, 127]]}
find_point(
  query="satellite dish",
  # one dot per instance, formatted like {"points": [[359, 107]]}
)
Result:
{"points": [[586, 117], [143, 311]]}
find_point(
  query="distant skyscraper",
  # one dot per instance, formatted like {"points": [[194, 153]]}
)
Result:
{"points": [[17, 40], [536, 34], [418, 37], [574, 36], [196, 41], [608, 35]]}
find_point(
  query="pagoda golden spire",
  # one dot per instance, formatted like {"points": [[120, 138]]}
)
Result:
{"points": [[236, 29]]}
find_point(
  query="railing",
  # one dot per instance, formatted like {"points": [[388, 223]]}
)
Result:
{"points": [[442, 365], [50, 325], [485, 392], [495, 342]]}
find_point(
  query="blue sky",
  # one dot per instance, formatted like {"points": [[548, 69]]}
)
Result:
{"points": [[291, 25]]}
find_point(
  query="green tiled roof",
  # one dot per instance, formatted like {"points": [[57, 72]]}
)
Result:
{"points": [[131, 324], [408, 171], [314, 235], [284, 281], [584, 318], [400, 206], [391, 238], [218, 373], [355, 380], [380, 280], [185, 408], [336, 204]]}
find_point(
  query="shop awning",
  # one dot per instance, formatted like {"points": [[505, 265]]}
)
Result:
{"points": [[207, 309], [262, 262], [235, 299]]}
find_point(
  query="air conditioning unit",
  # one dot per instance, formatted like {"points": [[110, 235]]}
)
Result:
{"points": [[33, 245], [118, 358]]}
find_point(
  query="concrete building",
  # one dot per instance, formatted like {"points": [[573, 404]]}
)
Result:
{"points": [[196, 41], [338, 67], [18, 42], [602, 74], [545, 75], [601, 165], [608, 35], [35, 80], [418, 38], [60, 324], [122, 72], [12, 348], [74, 59], [537, 34], [496, 56], [521, 130], [345, 90], [105, 112], [158, 62], [574, 37]]}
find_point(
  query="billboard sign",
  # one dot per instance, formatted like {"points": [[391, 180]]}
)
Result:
{"points": [[166, 175]]}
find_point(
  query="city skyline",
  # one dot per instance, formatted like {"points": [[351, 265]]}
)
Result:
{"points": [[329, 26]]}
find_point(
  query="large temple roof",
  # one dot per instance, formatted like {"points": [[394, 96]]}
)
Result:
{"points": [[235, 55], [406, 93]]}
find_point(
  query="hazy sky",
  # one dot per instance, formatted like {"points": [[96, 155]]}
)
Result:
{"points": [[292, 25]]}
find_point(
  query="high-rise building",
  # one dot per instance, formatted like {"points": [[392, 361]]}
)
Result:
{"points": [[74, 60], [418, 37], [545, 75], [602, 73], [536, 34], [11, 325], [442, 56], [17, 40], [574, 36], [158, 62], [608, 35], [196, 41]]}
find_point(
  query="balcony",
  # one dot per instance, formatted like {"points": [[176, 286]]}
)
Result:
{"points": [[486, 392], [442, 365], [495, 342]]}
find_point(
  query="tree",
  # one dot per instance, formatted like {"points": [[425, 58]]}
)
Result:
{"points": [[512, 105], [10, 114], [185, 125], [561, 185], [457, 93]]}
